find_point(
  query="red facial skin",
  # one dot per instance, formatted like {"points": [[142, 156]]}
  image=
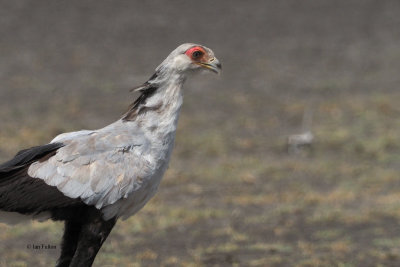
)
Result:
{"points": [[192, 52]]}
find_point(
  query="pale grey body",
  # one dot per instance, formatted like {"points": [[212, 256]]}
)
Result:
{"points": [[90, 179], [118, 168]]}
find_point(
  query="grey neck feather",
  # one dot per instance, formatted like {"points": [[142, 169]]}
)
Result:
{"points": [[158, 94]]}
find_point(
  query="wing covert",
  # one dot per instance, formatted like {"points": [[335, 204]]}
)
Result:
{"points": [[97, 167]]}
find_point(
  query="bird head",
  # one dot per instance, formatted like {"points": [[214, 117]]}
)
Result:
{"points": [[189, 57], [185, 59]]}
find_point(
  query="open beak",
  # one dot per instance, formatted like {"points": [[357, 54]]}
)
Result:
{"points": [[213, 65]]}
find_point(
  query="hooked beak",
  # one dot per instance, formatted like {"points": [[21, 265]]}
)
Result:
{"points": [[213, 65]]}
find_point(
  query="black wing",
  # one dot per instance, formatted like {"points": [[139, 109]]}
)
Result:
{"points": [[24, 158], [21, 193]]}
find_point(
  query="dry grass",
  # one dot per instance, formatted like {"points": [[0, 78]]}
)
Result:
{"points": [[229, 202], [233, 196]]}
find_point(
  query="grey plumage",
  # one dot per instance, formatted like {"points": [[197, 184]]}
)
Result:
{"points": [[91, 178]]}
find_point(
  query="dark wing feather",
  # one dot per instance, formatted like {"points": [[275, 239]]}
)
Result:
{"points": [[25, 157], [21, 193]]}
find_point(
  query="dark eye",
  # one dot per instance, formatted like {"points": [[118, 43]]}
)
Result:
{"points": [[196, 54]]}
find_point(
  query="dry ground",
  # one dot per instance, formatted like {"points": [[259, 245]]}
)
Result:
{"points": [[233, 196]]}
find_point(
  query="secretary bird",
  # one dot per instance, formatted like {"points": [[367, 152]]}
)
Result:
{"points": [[90, 179]]}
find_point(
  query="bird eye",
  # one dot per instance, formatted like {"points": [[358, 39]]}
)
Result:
{"points": [[196, 54]]}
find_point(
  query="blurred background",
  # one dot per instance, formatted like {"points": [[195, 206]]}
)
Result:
{"points": [[242, 189]]}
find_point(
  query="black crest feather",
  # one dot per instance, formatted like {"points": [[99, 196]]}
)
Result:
{"points": [[146, 90]]}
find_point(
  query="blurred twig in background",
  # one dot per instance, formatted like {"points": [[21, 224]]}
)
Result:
{"points": [[305, 138]]}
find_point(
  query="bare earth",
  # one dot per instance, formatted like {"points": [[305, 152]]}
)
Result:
{"points": [[233, 196]]}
